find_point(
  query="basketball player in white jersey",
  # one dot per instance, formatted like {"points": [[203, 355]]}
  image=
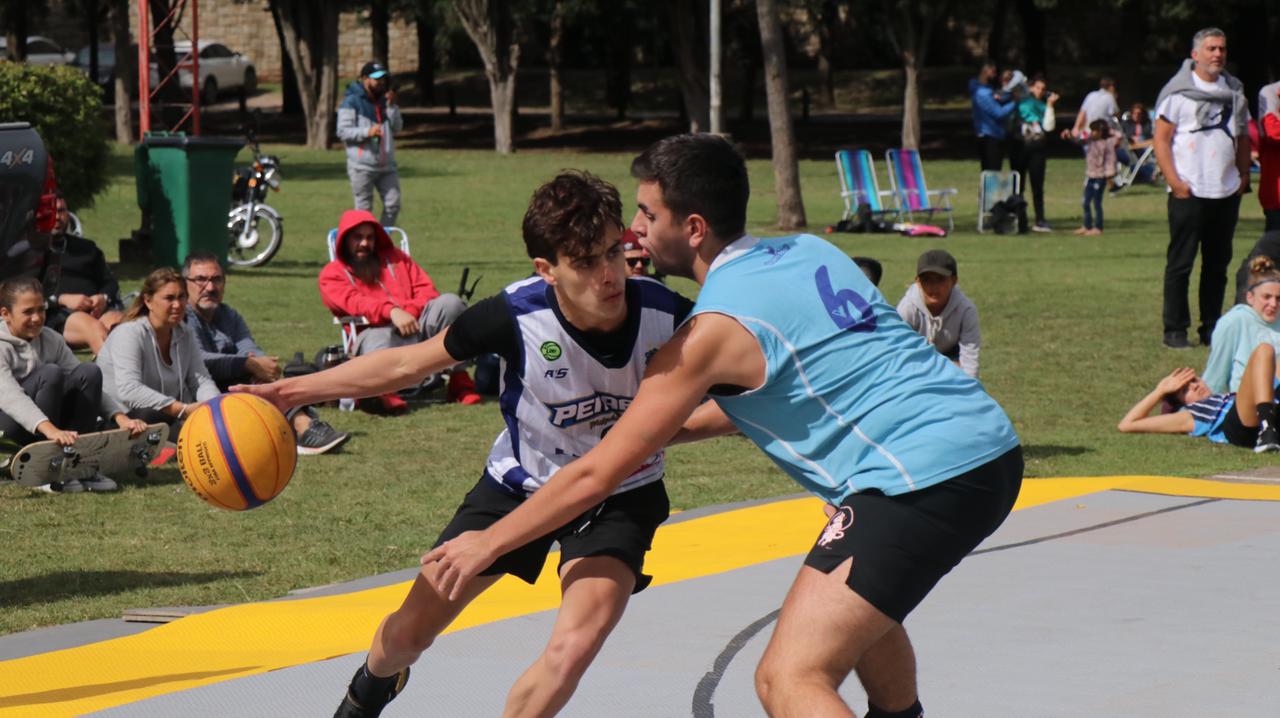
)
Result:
{"points": [[574, 340]]}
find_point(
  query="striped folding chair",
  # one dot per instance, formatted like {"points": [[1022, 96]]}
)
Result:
{"points": [[906, 181], [858, 185]]}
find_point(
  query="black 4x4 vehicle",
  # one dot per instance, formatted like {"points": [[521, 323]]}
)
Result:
{"points": [[28, 199]]}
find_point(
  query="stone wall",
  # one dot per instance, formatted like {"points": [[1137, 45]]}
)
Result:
{"points": [[247, 28]]}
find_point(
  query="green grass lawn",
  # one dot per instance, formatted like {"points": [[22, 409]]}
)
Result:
{"points": [[1071, 339]]}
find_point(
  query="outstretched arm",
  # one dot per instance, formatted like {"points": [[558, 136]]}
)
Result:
{"points": [[709, 349], [368, 375], [1139, 421]]}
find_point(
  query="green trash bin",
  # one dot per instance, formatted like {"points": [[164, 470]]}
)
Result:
{"points": [[184, 190]]}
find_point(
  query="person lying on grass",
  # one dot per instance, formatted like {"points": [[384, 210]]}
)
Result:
{"points": [[1246, 418]]}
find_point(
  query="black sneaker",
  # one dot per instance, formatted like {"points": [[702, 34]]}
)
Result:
{"points": [[1176, 340], [319, 438], [351, 708], [1268, 440]]}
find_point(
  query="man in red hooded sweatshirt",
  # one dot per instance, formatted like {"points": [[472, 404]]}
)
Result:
{"points": [[372, 278]]}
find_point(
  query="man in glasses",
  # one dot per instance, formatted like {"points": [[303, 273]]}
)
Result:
{"points": [[637, 257], [233, 357]]}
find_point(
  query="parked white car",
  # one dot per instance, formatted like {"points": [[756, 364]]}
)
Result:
{"points": [[221, 69], [42, 51]]}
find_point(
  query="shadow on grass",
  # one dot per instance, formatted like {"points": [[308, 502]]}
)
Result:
{"points": [[84, 584], [1047, 451]]}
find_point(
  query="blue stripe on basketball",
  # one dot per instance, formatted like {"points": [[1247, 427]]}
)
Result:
{"points": [[229, 453]]}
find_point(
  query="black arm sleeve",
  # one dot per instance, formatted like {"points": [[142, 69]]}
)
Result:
{"points": [[485, 327]]}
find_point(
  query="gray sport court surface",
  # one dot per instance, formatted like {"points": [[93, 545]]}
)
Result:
{"points": [[1114, 603]]}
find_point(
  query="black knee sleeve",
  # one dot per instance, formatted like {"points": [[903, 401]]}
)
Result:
{"points": [[915, 711]]}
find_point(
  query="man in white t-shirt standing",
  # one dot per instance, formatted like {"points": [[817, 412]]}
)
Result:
{"points": [[1202, 147], [1097, 105]]}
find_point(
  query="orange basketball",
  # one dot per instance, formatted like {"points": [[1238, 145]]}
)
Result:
{"points": [[237, 451]]}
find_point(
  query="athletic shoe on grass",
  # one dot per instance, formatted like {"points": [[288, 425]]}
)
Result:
{"points": [[320, 438], [99, 482], [462, 389], [1268, 440]]}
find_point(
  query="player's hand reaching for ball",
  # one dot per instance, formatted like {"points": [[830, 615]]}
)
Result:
{"points": [[457, 561], [270, 392]]}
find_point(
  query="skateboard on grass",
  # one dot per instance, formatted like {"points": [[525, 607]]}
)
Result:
{"points": [[108, 452]]}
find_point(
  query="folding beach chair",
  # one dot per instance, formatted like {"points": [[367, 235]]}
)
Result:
{"points": [[906, 181], [994, 187], [350, 326], [858, 185]]}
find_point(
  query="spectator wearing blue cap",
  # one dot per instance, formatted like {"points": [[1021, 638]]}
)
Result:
{"points": [[367, 119]]}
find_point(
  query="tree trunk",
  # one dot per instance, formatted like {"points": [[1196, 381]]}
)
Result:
{"points": [[1133, 28], [995, 39], [310, 30], [1033, 35], [910, 103], [125, 82], [786, 169], [488, 24], [291, 101], [687, 21], [555, 55], [379, 18], [618, 57], [426, 30], [826, 74], [16, 22]]}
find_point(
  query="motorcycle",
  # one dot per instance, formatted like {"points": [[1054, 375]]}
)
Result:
{"points": [[255, 227]]}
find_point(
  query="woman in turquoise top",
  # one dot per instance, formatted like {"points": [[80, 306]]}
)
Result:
{"points": [[1244, 327], [1031, 147]]}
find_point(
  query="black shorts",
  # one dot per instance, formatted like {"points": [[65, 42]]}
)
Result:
{"points": [[622, 526], [1236, 432], [903, 545]]}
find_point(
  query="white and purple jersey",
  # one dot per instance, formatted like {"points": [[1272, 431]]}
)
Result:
{"points": [[562, 389]]}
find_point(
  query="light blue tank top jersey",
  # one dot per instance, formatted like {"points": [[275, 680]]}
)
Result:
{"points": [[853, 398]]}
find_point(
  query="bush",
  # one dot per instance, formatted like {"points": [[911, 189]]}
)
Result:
{"points": [[65, 108]]}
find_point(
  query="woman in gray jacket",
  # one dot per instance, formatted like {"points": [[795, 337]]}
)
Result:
{"points": [[151, 362], [45, 392]]}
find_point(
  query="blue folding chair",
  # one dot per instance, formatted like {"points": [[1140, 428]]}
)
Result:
{"points": [[858, 185], [906, 181], [994, 187]]}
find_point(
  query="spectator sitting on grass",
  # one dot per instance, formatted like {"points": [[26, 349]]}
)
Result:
{"points": [[233, 357], [936, 308], [1244, 327], [1245, 419], [83, 294], [1268, 245], [372, 278], [151, 362], [871, 268], [45, 392]]}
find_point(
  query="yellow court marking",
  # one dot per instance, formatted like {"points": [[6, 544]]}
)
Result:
{"points": [[255, 638]]}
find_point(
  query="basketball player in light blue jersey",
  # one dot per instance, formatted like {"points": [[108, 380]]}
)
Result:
{"points": [[574, 341], [804, 356]]}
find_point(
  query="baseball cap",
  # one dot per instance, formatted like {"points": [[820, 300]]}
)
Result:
{"points": [[938, 261], [373, 70]]}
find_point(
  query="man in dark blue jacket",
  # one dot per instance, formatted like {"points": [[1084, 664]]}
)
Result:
{"points": [[367, 119], [990, 115]]}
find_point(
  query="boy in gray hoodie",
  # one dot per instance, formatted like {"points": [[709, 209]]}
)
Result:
{"points": [[936, 308], [45, 392]]}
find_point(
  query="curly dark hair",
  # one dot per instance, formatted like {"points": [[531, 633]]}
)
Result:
{"points": [[568, 215]]}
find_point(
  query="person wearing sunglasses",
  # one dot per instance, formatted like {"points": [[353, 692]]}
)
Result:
{"points": [[637, 258]]}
